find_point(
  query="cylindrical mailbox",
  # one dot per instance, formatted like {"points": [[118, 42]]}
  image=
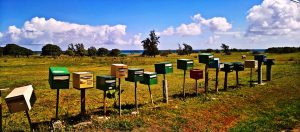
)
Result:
{"points": [[196, 74], [59, 77], [185, 64], [119, 70], [135, 74]]}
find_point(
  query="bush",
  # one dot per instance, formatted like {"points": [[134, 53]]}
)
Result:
{"points": [[102, 52], [283, 50], [51, 49], [16, 50], [115, 52]]}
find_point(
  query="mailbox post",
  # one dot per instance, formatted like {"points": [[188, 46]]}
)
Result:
{"points": [[184, 64], [21, 99], [238, 66], [228, 67], [135, 75], [59, 78], [196, 74], [269, 63], [106, 83], [251, 64], [149, 78], [1, 108], [164, 68], [205, 58], [260, 59], [119, 71], [215, 63], [83, 81]]}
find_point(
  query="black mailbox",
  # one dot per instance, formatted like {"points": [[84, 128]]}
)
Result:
{"points": [[228, 67]]}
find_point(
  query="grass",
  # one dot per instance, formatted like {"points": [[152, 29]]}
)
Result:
{"points": [[271, 107]]}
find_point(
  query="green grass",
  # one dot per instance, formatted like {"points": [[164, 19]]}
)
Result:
{"points": [[270, 107]]}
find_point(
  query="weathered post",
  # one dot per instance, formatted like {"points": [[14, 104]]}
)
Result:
{"points": [[228, 67], [184, 64], [164, 68], [251, 64], [196, 74], [205, 58]]}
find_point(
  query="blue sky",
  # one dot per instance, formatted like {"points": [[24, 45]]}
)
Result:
{"points": [[124, 23]]}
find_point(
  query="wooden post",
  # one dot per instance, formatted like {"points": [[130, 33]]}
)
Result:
{"points": [[269, 72], [237, 78], [0, 112], [57, 103], [104, 103], [165, 90], [259, 71], [217, 80], [29, 121], [135, 97], [206, 78], [119, 96], [184, 83], [251, 82], [225, 81], [150, 94], [82, 99], [196, 87]]}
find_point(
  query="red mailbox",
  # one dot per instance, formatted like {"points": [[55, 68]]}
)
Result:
{"points": [[196, 74]]}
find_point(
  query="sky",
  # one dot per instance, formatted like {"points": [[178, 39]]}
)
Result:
{"points": [[123, 24]]}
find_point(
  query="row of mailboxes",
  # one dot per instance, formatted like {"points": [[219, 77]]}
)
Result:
{"points": [[59, 77], [119, 70], [238, 66], [205, 58], [269, 62], [228, 67], [163, 68], [185, 64], [260, 58], [196, 74], [251, 63], [135, 74], [149, 78]]}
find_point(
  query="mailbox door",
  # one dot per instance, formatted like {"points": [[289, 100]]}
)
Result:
{"points": [[60, 82], [168, 68]]}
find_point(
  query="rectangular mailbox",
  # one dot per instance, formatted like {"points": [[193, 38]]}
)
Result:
{"points": [[205, 57], [119, 70], [215, 63], [59, 77], [83, 80], [149, 78], [20, 99], [196, 74], [106, 83], [135, 74], [251, 63], [269, 62], [185, 64], [260, 58], [228, 67], [163, 68], [238, 66]]}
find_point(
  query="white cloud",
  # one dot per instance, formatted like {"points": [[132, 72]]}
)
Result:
{"points": [[217, 24], [212, 39], [274, 17], [137, 39], [41, 31], [168, 32], [189, 29]]}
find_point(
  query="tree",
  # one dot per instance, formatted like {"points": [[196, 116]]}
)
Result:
{"points": [[92, 51], [16, 50], [150, 44], [179, 50], [51, 49], [115, 52], [69, 52], [187, 49], [79, 49], [102, 52], [225, 49], [1, 51]]}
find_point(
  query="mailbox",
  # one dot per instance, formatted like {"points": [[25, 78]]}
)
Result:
{"points": [[82, 80], [251, 63], [59, 77], [205, 58], [20, 99], [260, 58], [196, 74], [215, 63], [135, 74], [119, 70], [238, 66], [228, 67], [185, 64], [149, 78], [269, 62], [106, 83], [163, 68]]}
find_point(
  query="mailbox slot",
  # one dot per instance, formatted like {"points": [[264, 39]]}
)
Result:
{"points": [[119, 70], [163, 68], [135, 74], [106, 83], [205, 58], [59, 78], [149, 78], [251, 63], [196, 74], [185, 64], [228, 67], [82, 80]]}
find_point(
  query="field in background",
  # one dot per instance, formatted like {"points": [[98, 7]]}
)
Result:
{"points": [[271, 107]]}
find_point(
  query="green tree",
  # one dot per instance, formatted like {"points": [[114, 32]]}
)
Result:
{"points": [[1, 51], [92, 51], [79, 49], [225, 49], [16, 50], [150, 44], [51, 50], [102, 52], [115, 52], [69, 52], [179, 50], [187, 49]]}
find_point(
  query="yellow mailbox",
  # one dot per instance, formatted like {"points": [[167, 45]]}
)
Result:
{"points": [[83, 80], [119, 70]]}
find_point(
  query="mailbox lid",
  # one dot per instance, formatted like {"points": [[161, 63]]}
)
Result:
{"points": [[215, 63], [185, 64], [149, 78], [205, 57], [20, 99], [59, 77], [59, 71], [135, 74], [260, 57], [82, 80], [238, 66], [269, 61], [196, 74], [163, 68], [251, 63], [106, 82]]}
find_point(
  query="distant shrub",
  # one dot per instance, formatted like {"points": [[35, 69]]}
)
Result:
{"points": [[51, 50], [123, 55], [256, 52], [115, 52], [283, 50], [102, 52]]}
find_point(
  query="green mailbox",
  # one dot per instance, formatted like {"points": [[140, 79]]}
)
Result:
{"points": [[215, 63], [269, 62], [106, 83], [59, 78], [205, 57], [238, 66], [163, 68], [185, 64], [149, 78], [228, 67], [135, 74]]}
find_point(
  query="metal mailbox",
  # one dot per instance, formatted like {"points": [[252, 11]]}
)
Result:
{"points": [[269, 62], [196, 74], [135, 74], [215, 63], [20, 99], [205, 57], [83, 80], [106, 83], [149, 78], [185, 64], [163, 68], [238, 66], [260, 58], [228, 67], [119, 70], [59, 77], [251, 63]]}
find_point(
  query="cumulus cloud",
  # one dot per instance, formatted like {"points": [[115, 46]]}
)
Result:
{"points": [[189, 29], [137, 39], [274, 17], [212, 39], [41, 31], [167, 32]]}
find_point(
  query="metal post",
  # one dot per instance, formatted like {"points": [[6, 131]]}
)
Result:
{"points": [[251, 84], [196, 87], [217, 80], [237, 78], [183, 83], [135, 97], [206, 78], [269, 72], [225, 81], [104, 103], [150, 94], [119, 96], [82, 99], [29, 121], [259, 71], [57, 103]]}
